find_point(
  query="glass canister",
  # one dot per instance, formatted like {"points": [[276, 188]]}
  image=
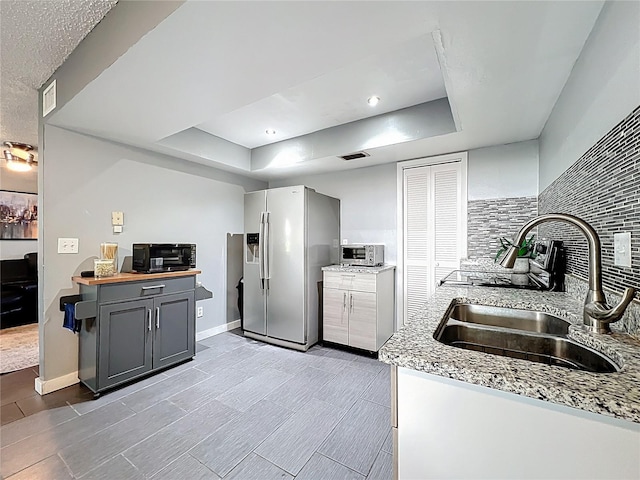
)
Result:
{"points": [[107, 265]]}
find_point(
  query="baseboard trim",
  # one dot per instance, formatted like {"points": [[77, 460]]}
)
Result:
{"points": [[210, 332], [47, 386]]}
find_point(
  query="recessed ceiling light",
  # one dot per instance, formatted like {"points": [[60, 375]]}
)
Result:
{"points": [[373, 100], [270, 131]]}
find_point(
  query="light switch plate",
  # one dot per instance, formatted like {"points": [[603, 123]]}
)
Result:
{"points": [[117, 218], [622, 249], [67, 245], [117, 229]]}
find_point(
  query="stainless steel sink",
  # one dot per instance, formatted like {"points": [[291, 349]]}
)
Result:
{"points": [[527, 335], [528, 320]]}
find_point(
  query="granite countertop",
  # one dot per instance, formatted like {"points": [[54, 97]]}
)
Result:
{"points": [[613, 394], [356, 269]]}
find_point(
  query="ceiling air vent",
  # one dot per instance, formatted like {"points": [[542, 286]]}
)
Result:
{"points": [[353, 156]]}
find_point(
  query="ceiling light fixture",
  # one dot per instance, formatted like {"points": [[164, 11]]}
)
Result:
{"points": [[18, 156], [373, 100], [270, 131]]}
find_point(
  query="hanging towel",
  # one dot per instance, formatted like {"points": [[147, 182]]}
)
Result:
{"points": [[70, 320]]}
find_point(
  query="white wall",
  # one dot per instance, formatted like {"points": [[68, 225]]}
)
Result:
{"points": [[367, 203], [603, 88], [368, 195], [17, 182], [84, 179], [11, 249], [504, 171]]}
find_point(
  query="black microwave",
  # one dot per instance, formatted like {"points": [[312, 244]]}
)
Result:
{"points": [[163, 257]]}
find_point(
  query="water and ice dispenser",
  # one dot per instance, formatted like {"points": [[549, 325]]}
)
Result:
{"points": [[252, 251]]}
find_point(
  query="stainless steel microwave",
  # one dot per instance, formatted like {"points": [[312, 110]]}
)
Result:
{"points": [[362, 255], [163, 257]]}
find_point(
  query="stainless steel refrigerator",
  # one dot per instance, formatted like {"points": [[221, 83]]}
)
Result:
{"points": [[290, 234]]}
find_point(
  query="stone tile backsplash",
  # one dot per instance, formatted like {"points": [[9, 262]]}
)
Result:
{"points": [[603, 188], [488, 220]]}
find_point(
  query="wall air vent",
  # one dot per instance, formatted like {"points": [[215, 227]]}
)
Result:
{"points": [[49, 99], [353, 156]]}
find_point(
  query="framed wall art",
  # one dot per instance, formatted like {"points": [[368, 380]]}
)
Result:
{"points": [[18, 215]]}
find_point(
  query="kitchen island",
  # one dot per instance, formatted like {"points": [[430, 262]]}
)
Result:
{"points": [[465, 414], [134, 324]]}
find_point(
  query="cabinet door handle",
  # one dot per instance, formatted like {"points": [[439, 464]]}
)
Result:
{"points": [[149, 319], [344, 301], [157, 317], [153, 287], [350, 303]]}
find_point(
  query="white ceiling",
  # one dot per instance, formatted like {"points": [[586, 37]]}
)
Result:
{"points": [[402, 75], [233, 69]]}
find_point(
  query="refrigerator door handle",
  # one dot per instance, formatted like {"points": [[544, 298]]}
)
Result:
{"points": [[267, 247], [261, 240]]}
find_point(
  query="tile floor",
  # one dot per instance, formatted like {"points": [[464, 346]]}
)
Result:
{"points": [[19, 399], [240, 410]]}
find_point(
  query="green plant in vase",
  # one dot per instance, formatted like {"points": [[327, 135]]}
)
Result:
{"points": [[525, 250]]}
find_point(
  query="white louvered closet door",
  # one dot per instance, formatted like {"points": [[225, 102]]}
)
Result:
{"points": [[447, 224], [432, 230], [417, 193]]}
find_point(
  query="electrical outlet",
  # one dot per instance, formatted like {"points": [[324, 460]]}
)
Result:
{"points": [[117, 218], [622, 249], [345, 241], [200, 312], [67, 245]]}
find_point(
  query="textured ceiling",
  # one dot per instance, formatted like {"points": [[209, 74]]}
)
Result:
{"points": [[35, 39]]}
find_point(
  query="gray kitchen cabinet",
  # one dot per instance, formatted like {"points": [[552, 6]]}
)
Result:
{"points": [[358, 307], [138, 325], [174, 339], [125, 349]]}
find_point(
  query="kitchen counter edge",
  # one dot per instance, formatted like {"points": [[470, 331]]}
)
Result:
{"points": [[357, 269], [132, 277], [612, 394]]}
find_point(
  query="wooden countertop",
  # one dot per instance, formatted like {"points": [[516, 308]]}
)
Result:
{"points": [[133, 277]]}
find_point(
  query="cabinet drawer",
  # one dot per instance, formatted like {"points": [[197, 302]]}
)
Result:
{"points": [[362, 282], [158, 286]]}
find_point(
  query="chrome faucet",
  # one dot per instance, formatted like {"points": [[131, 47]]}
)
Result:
{"points": [[597, 314]]}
